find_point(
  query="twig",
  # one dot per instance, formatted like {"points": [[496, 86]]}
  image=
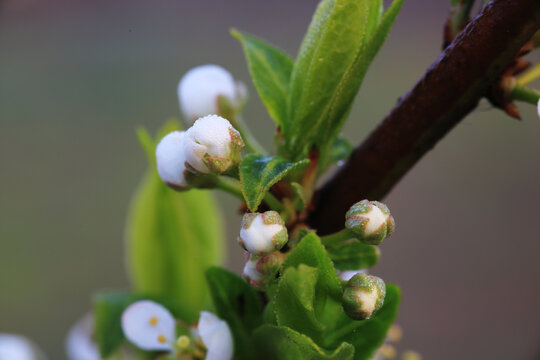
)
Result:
{"points": [[450, 89]]}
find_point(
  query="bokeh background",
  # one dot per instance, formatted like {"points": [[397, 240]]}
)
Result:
{"points": [[76, 77]]}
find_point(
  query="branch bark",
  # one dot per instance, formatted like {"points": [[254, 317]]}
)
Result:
{"points": [[449, 90]]}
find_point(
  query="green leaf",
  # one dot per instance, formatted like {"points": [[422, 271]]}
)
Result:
{"points": [[237, 303], [366, 335], [353, 255], [281, 342], [342, 40], [309, 293], [172, 238], [341, 150], [108, 309], [258, 173], [295, 301], [270, 69]]}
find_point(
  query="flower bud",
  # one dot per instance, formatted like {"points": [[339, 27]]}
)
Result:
{"points": [[202, 88], [16, 347], [263, 233], [216, 336], [348, 274], [370, 221], [258, 270], [212, 145], [171, 161], [363, 296]]}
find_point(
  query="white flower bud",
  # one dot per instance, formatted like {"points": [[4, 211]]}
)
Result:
{"points": [[16, 347], [212, 145], [258, 270], [363, 295], [370, 221], [262, 234], [149, 326], [171, 161], [216, 336], [200, 89]]}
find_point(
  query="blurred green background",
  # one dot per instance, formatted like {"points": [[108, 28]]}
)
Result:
{"points": [[76, 77]]}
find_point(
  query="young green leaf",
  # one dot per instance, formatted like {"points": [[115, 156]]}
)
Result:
{"points": [[366, 335], [281, 342], [295, 301], [353, 255], [108, 309], [258, 173], [172, 238], [309, 293], [270, 69], [341, 41], [236, 303]]}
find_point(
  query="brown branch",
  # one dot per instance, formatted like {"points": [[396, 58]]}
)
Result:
{"points": [[450, 89]]}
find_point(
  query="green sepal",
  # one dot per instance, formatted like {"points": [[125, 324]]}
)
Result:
{"points": [[172, 237], [237, 303], [270, 69], [367, 335], [108, 309], [353, 255], [258, 173], [281, 342]]}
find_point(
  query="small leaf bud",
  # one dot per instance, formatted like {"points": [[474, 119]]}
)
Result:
{"points": [[262, 234], [370, 221], [171, 161], [258, 270], [201, 88], [212, 145], [363, 296]]}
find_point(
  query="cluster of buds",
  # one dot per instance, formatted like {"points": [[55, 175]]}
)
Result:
{"points": [[370, 221], [150, 326], [363, 296], [259, 270], [211, 146], [262, 236], [210, 89]]}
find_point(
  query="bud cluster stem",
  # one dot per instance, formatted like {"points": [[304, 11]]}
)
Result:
{"points": [[338, 237]]}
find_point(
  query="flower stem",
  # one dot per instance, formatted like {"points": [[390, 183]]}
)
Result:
{"points": [[230, 187], [233, 187], [252, 145], [524, 94], [530, 75], [336, 238]]}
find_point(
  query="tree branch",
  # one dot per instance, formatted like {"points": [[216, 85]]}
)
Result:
{"points": [[450, 89]]}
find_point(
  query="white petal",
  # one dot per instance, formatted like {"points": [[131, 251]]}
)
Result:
{"points": [[538, 107], [216, 336], [348, 274], [15, 347], [376, 218], [79, 343], [170, 159], [149, 326], [200, 87], [250, 270], [258, 236], [208, 135]]}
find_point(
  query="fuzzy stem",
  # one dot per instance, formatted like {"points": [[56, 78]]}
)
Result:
{"points": [[521, 93], [336, 238], [230, 187], [252, 145]]}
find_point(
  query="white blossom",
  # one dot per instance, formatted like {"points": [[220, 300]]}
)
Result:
{"points": [[200, 88], [216, 336], [171, 160], [212, 145], [149, 326], [16, 347], [79, 343]]}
